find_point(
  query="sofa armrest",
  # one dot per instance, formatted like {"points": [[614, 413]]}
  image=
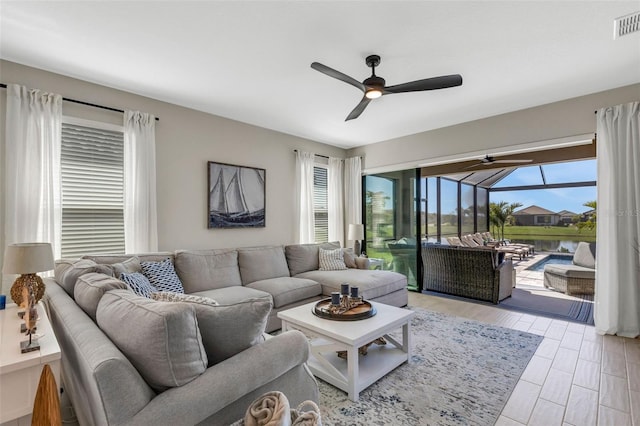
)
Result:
{"points": [[227, 381]]}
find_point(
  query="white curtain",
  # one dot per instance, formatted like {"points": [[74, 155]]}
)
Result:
{"points": [[335, 202], [140, 213], [352, 193], [617, 298], [33, 206], [305, 226]]}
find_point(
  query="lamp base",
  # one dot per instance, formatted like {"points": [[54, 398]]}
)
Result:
{"points": [[32, 282], [356, 247]]}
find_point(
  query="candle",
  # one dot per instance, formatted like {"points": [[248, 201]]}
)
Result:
{"points": [[335, 298], [354, 291], [345, 289]]}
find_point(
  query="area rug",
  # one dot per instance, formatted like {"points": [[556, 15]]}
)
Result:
{"points": [[462, 372], [549, 303]]}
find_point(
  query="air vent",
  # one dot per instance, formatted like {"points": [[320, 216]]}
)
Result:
{"points": [[626, 25]]}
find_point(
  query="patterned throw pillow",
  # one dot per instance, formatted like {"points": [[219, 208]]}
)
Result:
{"points": [[331, 260], [165, 296], [139, 284], [162, 276]]}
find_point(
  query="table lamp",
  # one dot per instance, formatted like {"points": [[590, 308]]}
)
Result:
{"points": [[26, 259], [356, 233]]}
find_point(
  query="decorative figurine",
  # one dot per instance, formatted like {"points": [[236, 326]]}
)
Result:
{"points": [[30, 319]]}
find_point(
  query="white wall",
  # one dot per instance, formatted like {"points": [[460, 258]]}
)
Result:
{"points": [[547, 122], [185, 140]]}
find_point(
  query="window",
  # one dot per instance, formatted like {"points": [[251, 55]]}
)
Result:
{"points": [[320, 204], [92, 168]]}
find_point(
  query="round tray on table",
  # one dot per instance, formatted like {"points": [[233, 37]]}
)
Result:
{"points": [[360, 312]]}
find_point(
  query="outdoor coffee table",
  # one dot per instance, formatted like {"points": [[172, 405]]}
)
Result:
{"points": [[357, 372]]}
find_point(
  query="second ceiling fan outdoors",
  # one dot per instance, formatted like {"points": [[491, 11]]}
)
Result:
{"points": [[374, 86]]}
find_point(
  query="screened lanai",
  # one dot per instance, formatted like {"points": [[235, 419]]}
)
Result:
{"points": [[406, 208]]}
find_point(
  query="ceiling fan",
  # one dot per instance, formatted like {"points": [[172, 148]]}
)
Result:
{"points": [[489, 160], [374, 86]]}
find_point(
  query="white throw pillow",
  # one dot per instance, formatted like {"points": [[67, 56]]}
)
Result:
{"points": [[331, 260]]}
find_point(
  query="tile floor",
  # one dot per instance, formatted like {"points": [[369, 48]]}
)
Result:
{"points": [[575, 378]]}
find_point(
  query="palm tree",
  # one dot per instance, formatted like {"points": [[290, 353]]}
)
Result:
{"points": [[499, 214]]}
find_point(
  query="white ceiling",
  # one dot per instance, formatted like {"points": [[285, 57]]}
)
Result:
{"points": [[250, 61]]}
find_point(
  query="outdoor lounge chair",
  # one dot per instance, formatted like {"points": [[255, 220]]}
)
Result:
{"points": [[469, 241], [577, 278]]}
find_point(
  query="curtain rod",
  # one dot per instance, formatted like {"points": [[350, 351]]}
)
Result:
{"points": [[318, 155], [75, 101]]}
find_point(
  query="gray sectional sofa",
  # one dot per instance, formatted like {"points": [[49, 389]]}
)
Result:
{"points": [[127, 359]]}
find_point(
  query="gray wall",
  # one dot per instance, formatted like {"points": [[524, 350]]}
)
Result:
{"points": [[552, 121], [185, 140]]}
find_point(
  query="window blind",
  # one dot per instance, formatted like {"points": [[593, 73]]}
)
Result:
{"points": [[92, 169], [320, 204]]}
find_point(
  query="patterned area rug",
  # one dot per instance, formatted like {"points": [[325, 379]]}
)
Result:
{"points": [[462, 373]]}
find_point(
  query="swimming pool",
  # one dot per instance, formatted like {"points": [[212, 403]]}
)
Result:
{"points": [[552, 259]]}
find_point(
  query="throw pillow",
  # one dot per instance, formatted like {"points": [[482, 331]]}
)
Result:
{"points": [[162, 276], [331, 260], [139, 284], [162, 340], [165, 296], [126, 266], [349, 258], [91, 287], [229, 329]]}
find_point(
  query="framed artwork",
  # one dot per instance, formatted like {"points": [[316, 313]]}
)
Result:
{"points": [[236, 196]]}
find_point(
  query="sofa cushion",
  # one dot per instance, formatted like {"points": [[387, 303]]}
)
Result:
{"points": [[162, 276], [67, 272], [167, 296], [585, 255], [90, 288], [162, 340], [573, 271], [262, 263], [331, 260], [286, 290], [234, 294], [138, 283], [207, 269], [304, 257], [372, 284]]}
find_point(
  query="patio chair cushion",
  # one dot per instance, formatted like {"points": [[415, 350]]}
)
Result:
{"points": [[573, 271], [585, 255]]}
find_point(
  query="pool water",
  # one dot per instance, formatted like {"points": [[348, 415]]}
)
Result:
{"points": [[552, 259]]}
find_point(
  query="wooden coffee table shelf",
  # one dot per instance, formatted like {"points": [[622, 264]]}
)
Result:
{"points": [[357, 372]]}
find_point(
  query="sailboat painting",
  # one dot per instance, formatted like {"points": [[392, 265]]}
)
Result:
{"points": [[236, 196]]}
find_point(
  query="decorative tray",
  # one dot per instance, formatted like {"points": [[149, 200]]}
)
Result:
{"points": [[360, 312]]}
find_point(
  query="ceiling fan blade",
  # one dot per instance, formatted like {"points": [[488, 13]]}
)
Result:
{"points": [[512, 161], [358, 109], [433, 83], [338, 75]]}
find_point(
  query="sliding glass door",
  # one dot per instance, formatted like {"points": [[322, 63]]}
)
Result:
{"points": [[392, 227]]}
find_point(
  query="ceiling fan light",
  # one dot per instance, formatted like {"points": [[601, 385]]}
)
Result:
{"points": [[373, 93]]}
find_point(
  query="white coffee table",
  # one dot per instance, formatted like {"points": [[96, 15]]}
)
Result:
{"points": [[357, 372]]}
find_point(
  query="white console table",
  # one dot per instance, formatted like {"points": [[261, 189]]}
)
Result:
{"points": [[20, 373]]}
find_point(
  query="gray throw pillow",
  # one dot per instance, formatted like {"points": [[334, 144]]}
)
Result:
{"points": [[229, 329], [128, 266], [349, 258], [162, 340], [90, 288]]}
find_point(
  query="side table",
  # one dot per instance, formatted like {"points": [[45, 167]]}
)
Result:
{"points": [[20, 373]]}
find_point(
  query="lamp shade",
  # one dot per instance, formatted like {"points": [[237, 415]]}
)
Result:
{"points": [[28, 258], [356, 231]]}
